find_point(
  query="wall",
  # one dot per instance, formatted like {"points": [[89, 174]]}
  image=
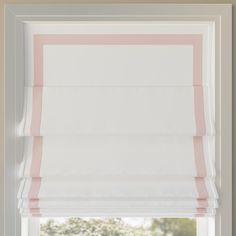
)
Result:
{"points": [[2, 2]]}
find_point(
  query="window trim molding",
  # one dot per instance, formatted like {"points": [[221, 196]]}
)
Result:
{"points": [[16, 15]]}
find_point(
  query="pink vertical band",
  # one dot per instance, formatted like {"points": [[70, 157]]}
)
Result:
{"points": [[35, 173], [200, 128], [202, 189], [37, 97], [199, 111], [38, 61], [37, 156], [34, 188], [199, 156]]}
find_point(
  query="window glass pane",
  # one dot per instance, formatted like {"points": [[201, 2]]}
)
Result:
{"points": [[118, 226]]}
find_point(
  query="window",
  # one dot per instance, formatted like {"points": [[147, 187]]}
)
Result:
{"points": [[127, 68], [115, 226], [121, 226]]}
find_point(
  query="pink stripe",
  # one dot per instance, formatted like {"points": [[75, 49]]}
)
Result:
{"points": [[198, 90], [202, 203], [33, 194], [200, 127], [110, 39], [199, 111], [199, 156], [33, 203], [35, 170], [201, 212], [35, 212], [201, 187], [34, 188], [202, 198], [36, 111], [37, 156], [36, 124], [38, 61], [37, 91], [197, 60]]}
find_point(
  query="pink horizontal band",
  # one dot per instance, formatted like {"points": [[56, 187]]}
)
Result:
{"points": [[126, 39]]}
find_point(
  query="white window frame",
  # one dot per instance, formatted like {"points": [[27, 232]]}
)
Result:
{"points": [[16, 15]]}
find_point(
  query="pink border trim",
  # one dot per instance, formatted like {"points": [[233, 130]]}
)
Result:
{"points": [[201, 174], [199, 156], [38, 61], [181, 39], [202, 189], [37, 156], [120, 39], [199, 111], [200, 130], [35, 173], [37, 97]]}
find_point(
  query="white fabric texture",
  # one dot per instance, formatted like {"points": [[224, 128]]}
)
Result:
{"points": [[116, 110], [117, 187], [123, 69], [118, 125], [117, 156]]}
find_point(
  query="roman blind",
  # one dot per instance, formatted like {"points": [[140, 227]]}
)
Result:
{"points": [[118, 123]]}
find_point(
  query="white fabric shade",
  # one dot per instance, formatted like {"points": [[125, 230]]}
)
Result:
{"points": [[119, 124], [161, 192], [116, 110], [117, 187], [121, 68], [118, 155]]}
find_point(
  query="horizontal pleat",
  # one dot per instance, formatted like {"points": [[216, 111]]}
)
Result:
{"points": [[41, 188], [117, 110], [107, 203], [119, 212], [119, 155], [160, 197], [118, 143]]}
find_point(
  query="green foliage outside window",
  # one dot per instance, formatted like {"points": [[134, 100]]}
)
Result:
{"points": [[118, 227], [175, 227]]}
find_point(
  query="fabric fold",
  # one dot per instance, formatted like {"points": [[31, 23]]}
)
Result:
{"points": [[116, 110]]}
